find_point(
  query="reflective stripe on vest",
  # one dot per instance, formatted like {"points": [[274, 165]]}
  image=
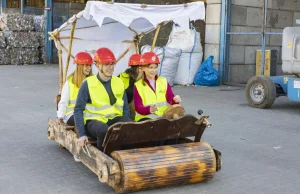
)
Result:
{"points": [[72, 101], [95, 116], [93, 108], [161, 104], [149, 97], [73, 93], [100, 109]]}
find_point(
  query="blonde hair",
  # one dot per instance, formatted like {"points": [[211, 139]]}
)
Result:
{"points": [[78, 75]]}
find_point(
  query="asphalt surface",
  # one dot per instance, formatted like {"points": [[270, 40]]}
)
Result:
{"points": [[260, 148]]}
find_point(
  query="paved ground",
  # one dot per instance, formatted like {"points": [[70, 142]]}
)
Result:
{"points": [[260, 147]]}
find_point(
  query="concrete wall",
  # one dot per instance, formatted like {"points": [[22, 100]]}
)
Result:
{"points": [[212, 31], [247, 17]]}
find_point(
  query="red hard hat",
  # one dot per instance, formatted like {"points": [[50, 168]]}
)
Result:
{"points": [[105, 56], [149, 58], [134, 60], [83, 58]]}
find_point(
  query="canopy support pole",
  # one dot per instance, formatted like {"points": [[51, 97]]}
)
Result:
{"points": [[69, 49], [155, 36], [59, 52], [127, 50]]}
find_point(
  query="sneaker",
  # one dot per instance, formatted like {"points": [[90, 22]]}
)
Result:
{"points": [[76, 159]]}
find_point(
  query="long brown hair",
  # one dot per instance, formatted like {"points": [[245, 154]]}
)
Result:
{"points": [[78, 75], [133, 74]]}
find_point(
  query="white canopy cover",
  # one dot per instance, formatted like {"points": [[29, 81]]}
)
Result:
{"points": [[114, 25]]}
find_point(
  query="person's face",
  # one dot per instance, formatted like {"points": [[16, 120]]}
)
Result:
{"points": [[87, 69], [150, 71], [107, 69]]}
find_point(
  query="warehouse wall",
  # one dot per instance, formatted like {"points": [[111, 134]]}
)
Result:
{"points": [[247, 17]]}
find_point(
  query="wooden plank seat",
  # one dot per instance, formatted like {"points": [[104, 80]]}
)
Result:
{"points": [[128, 133], [73, 128]]}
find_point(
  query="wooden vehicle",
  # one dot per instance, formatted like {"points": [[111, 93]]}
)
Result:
{"points": [[131, 163], [144, 155]]}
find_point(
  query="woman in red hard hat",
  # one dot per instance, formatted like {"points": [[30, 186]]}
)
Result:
{"points": [[152, 94], [71, 87], [129, 77]]}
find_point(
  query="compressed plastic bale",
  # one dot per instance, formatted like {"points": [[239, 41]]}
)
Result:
{"points": [[16, 56], [30, 39], [30, 56], [5, 56], [2, 40], [41, 38], [3, 22], [20, 56], [42, 55], [19, 22], [39, 23], [22, 39], [13, 39]]}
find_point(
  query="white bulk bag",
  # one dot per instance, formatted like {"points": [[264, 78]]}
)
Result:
{"points": [[189, 64], [188, 40], [169, 65]]}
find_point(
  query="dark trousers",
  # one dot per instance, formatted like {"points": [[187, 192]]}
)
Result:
{"points": [[71, 121], [97, 129]]}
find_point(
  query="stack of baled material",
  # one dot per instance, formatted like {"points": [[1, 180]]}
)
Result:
{"points": [[24, 39]]}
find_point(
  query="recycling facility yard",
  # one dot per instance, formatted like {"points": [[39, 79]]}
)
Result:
{"points": [[259, 147]]}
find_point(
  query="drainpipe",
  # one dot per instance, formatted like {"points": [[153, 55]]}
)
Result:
{"points": [[3, 5], [222, 41], [48, 15], [22, 6]]}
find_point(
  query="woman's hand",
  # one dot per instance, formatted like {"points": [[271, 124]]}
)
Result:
{"points": [[153, 108], [177, 99], [59, 121]]}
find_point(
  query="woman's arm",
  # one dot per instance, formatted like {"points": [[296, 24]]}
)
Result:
{"points": [[64, 101], [170, 95]]}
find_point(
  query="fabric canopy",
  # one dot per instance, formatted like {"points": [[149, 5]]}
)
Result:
{"points": [[115, 25]]}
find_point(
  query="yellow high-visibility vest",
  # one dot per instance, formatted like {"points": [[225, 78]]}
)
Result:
{"points": [[100, 109], [73, 91], [125, 77], [149, 97]]}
